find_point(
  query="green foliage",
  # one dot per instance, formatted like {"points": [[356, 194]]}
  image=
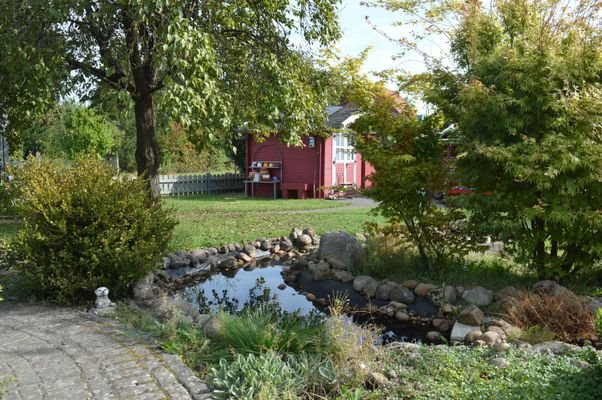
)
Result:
{"points": [[528, 118], [257, 330], [464, 373], [537, 334], [262, 377], [72, 131], [85, 228], [410, 170], [179, 155], [210, 66], [5, 382], [7, 206]]}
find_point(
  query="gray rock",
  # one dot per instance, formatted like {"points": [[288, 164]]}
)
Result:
{"points": [[213, 328], [245, 257], [472, 337], [501, 347], [343, 276], [343, 246], [435, 337], [507, 293], [478, 296], [227, 262], [402, 295], [309, 232], [303, 240], [593, 305], [265, 245], [490, 338], [410, 284], [555, 347], [422, 289], [320, 271], [285, 244], [460, 330], [499, 362], [551, 288], [580, 364], [232, 247], [250, 250], [336, 263], [370, 288], [361, 281], [498, 330], [143, 290], [449, 294], [212, 251], [177, 260], [295, 233], [471, 315], [200, 254], [383, 291]]}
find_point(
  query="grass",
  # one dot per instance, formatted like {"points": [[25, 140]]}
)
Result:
{"points": [[214, 220], [464, 373], [8, 229]]}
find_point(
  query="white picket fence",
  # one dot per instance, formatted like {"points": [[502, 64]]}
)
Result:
{"points": [[182, 185]]}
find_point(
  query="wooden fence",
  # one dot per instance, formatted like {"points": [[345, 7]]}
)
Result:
{"points": [[182, 185]]}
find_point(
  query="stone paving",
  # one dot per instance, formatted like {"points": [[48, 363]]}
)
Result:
{"points": [[59, 353]]}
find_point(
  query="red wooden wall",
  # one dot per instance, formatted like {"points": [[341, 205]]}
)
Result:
{"points": [[305, 170]]}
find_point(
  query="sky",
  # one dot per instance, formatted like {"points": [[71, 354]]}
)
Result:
{"points": [[359, 34]]}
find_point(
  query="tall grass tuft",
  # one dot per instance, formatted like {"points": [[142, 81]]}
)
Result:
{"points": [[564, 315]]}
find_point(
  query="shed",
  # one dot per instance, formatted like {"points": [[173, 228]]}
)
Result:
{"points": [[314, 170]]}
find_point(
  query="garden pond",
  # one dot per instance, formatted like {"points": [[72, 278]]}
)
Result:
{"points": [[233, 290]]}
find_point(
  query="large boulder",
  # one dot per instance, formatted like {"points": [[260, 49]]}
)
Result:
{"points": [[471, 315], [341, 246], [460, 330], [422, 289], [551, 288], [478, 296], [402, 295], [383, 291], [361, 281]]}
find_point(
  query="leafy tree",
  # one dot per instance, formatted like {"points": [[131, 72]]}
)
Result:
{"points": [[410, 170], [208, 65], [526, 95], [76, 131]]}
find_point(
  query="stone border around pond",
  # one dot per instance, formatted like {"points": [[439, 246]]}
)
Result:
{"points": [[458, 319]]}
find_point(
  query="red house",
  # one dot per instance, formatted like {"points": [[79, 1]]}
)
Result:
{"points": [[277, 170]]}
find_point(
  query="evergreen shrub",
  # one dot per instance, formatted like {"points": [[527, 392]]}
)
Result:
{"points": [[85, 228]]}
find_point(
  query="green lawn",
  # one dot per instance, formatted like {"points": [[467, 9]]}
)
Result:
{"points": [[213, 220], [8, 229]]}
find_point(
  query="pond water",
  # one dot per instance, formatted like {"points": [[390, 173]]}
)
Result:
{"points": [[247, 287], [232, 291]]}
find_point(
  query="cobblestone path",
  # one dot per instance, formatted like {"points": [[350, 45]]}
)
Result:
{"points": [[58, 353]]}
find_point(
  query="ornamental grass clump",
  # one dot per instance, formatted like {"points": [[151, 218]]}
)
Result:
{"points": [[565, 316], [84, 228]]}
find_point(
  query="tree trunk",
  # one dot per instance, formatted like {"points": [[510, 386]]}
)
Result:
{"points": [[147, 149], [540, 246]]}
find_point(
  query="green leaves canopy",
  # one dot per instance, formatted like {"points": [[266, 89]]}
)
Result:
{"points": [[527, 101], [216, 64]]}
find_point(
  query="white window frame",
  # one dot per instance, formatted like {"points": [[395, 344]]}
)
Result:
{"points": [[344, 150]]}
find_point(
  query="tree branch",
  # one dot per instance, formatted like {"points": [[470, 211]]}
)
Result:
{"points": [[113, 80]]}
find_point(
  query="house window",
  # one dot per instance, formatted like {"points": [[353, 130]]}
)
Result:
{"points": [[344, 149]]}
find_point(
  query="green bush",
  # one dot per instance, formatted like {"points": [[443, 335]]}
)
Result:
{"points": [[85, 228], [262, 377], [6, 201]]}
